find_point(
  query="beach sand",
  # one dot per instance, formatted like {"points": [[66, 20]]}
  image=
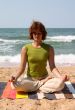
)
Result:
{"points": [[43, 104]]}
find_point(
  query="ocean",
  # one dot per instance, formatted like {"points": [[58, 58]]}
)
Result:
{"points": [[13, 39]]}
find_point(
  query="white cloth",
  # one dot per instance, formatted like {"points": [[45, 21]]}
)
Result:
{"points": [[29, 85], [52, 85]]}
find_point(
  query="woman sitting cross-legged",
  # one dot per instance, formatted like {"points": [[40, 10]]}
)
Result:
{"points": [[36, 55]]}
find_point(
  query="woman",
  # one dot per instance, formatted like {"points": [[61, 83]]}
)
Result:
{"points": [[36, 55]]}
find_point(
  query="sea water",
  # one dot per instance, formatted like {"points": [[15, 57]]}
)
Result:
{"points": [[13, 39]]}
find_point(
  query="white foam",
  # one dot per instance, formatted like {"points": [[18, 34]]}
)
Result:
{"points": [[11, 59], [13, 41], [68, 59], [69, 38], [61, 38]]}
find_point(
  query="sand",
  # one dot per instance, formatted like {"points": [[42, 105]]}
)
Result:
{"points": [[43, 104]]}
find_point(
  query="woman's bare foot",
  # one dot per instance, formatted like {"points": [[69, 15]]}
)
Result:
{"points": [[64, 78]]}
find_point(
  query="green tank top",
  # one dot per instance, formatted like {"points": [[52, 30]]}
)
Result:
{"points": [[37, 60]]}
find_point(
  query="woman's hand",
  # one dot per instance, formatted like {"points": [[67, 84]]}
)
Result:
{"points": [[13, 79], [64, 78]]}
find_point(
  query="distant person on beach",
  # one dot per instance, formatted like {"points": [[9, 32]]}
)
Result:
{"points": [[36, 55]]}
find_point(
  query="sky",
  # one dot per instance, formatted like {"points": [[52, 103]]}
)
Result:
{"points": [[52, 13]]}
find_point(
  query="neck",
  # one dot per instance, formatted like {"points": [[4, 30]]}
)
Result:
{"points": [[36, 44]]}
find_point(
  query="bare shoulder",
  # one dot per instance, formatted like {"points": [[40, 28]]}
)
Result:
{"points": [[23, 50], [51, 49]]}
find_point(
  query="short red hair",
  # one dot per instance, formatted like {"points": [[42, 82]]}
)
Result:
{"points": [[37, 26]]}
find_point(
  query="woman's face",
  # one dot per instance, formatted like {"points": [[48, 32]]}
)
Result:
{"points": [[37, 36]]}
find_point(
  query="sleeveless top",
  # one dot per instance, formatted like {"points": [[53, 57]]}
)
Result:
{"points": [[37, 60]]}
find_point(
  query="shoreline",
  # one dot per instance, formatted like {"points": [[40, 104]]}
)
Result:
{"points": [[7, 71], [8, 64]]}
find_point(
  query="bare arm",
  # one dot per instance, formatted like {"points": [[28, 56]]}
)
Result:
{"points": [[22, 64], [53, 68], [52, 63]]}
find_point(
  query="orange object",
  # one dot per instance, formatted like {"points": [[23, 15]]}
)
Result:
{"points": [[9, 92]]}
